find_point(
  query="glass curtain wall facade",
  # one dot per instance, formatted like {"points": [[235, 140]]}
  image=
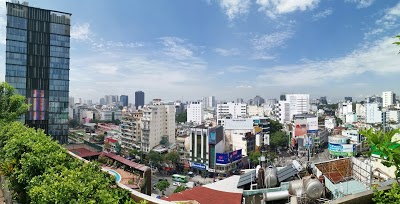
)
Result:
{"points": [[37, 65], [139, 99]]}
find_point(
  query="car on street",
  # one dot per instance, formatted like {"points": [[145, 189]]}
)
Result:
{"points": [[176, 184]]}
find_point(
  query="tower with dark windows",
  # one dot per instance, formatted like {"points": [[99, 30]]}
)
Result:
{"points": [[37, 65]]}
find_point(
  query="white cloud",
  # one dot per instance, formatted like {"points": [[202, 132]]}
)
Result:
{"points": [[3, 21], [81, 32], [263, 56], [269, 41], [322, 14], [235, 8], [227, 52], [177, 48], [273, 8], [379, 58], [243, 86], [239, 69], [362, 3], [389, 20], [373, 32]]}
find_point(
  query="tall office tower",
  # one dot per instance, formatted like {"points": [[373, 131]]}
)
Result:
{"points": [[323, 100], [258, 101], [124, 100], [37, 65], [388, 98], [108, 99], [348, 99], [114, 99], [103, 101], [299, 103], [71, 101], [139, 99]]}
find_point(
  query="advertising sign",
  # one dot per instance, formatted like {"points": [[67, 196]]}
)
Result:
{"points": [[226, 158], [312, 125], [222, 158], [337, 140], [341, 149], [300, 130], [235, 155], [212, 138], [198, 166]]}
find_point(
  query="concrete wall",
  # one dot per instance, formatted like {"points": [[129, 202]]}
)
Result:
{"points": [[363, 197]]}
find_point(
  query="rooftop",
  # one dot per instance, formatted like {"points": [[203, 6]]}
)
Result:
{"points": [[206, 195], [227, 185]]}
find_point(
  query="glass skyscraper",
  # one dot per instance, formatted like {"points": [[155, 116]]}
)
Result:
{"points": [[37, 65], [139, 99]]}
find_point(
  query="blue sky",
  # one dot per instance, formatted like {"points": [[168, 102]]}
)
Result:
{"points": [[182, 49]]}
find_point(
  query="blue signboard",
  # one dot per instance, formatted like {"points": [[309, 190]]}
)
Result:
{"points": [[198, 166], [212, 138], [226, 158], [222, 158]]}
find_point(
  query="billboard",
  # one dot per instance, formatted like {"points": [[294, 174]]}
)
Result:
{"points": [[212, 138], [312, 125], [198, 166], [226, 158], [342, 149], [300, 130]]}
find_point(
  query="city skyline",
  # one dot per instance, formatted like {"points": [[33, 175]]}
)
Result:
{"points": [[229, 49]]}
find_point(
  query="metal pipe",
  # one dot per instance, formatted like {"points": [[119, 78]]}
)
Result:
{"points": [[279, 195]]}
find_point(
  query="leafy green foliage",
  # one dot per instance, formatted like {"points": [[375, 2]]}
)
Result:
{"points": [[275, 126], [179, 189], [12, 105], [277, 139], [155, 157], [181, 117], [253, 156], [173, 157], [73, 123], [118, 148], [390, 196], [397, 43], [162, 185], [41, 171]]}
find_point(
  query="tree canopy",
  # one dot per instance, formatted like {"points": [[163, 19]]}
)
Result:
{"points": [[181, 117], [179, 189], [173, 157], [39, 170], [277, 139], [12, 105], [162, 185]]}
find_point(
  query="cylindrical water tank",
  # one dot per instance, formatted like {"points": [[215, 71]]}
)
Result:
{"points": [[313, 187], [271, 178], [296, 188], [261, 178]]}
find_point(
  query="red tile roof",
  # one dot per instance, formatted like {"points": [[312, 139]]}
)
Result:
{"points": [[83, 152], [126, 162], [205, 195]]}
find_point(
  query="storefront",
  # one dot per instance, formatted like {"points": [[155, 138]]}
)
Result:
{"points": [[226, 163]]}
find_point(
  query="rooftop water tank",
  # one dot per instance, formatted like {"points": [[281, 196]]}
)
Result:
{"points": [[313, 187], [271, 178]]}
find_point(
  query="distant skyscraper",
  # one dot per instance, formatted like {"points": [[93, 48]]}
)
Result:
{"points": [[71, 101], [88, 102], [103, 101], [239, 100], [282, 97], [348, 99], [37, 65], [139, 99], [124, 100], [258, 100], [323, 100], [388, 98], [114, 99]]}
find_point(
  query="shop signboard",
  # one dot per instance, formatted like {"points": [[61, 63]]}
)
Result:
{"points": [[222, 158], [212, 138], [235, 155], [312, 125], [341, 149], [198, 166]]}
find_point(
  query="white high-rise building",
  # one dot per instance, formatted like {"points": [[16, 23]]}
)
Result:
{"points": [[299, 103], [283, 111], [71, 101], [393, 116], [374, 115], [209, 102], [195, 112], [388, 98], [158, 125], [235, 110]]}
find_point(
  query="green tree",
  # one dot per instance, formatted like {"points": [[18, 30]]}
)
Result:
{"points": [[179, 189], [181, 117], [118, 148], [275, 126], [277, 139], [12, 105], [173, 157], [387, 147], [73, 123], [154, 157], [253, 157], [162, 185]]}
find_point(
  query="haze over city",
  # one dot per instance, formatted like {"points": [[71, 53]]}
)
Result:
{"points": [[230, 49]]}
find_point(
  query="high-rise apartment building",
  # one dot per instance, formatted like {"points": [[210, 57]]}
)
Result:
{"points": [[124, 100], [388, 98], [158, 126], [209, 102], [299, 103], [37, 65], [103, 101], [258, 101], [71, 101], [233, 110], [348, 99], [195, 112], [139, 99]]}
